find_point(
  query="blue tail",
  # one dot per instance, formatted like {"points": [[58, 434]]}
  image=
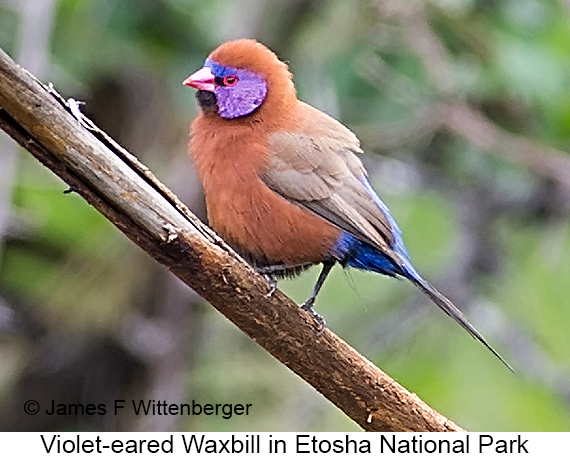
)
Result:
{"points": [[350, 251]]}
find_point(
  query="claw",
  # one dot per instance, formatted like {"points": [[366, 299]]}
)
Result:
{"points": [[273, 283], [319, 320]]}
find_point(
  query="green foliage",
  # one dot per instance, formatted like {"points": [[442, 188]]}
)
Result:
{"points": [[491, 231]]}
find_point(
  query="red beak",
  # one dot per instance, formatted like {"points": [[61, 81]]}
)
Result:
{"points": [[203, 79]]}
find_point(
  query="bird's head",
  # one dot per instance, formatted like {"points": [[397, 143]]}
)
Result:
{"points": [[231, 92], [239, 77]]}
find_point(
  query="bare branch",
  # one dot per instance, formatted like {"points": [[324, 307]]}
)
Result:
{"points": [[122, 189]]}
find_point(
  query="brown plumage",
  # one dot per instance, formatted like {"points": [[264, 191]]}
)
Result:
{"points": [[259, 223], [231, 156], [283, 184]]}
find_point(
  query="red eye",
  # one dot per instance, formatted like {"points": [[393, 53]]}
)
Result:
{"points": [[230, 80]]}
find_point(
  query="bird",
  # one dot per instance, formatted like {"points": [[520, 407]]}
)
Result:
{"points": [[282, 181]]}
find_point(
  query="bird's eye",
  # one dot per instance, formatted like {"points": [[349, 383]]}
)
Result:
{"points": [[230, 80]]}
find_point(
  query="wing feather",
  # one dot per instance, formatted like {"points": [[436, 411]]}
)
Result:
{"points": [[316, 168]]}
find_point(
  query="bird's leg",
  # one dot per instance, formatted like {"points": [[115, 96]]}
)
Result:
{"points": [[282, 269], [308, 305], [269, 273]]}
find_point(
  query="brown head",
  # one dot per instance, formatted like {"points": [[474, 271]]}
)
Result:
{"points": [[243, 79]]}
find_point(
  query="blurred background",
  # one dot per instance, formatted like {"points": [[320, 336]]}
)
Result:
{"points": [[463, 109]]}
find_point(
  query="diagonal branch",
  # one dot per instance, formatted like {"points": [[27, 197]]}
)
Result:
{"points": [[123, 190]]}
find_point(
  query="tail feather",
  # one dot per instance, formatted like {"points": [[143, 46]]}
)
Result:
{"points": [[355, 253], [451, 310]]}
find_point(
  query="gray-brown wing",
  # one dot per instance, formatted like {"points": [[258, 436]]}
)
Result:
{"points": [[320, 172]]}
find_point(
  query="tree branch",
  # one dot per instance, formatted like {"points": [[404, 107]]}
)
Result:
{"points": [[123, 190]]}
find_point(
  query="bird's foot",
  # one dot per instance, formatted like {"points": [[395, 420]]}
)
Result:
{"points": [[319, 320], [273, 283]]}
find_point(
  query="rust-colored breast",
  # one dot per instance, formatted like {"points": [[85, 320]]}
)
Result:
{"points": [[258, 222]]}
